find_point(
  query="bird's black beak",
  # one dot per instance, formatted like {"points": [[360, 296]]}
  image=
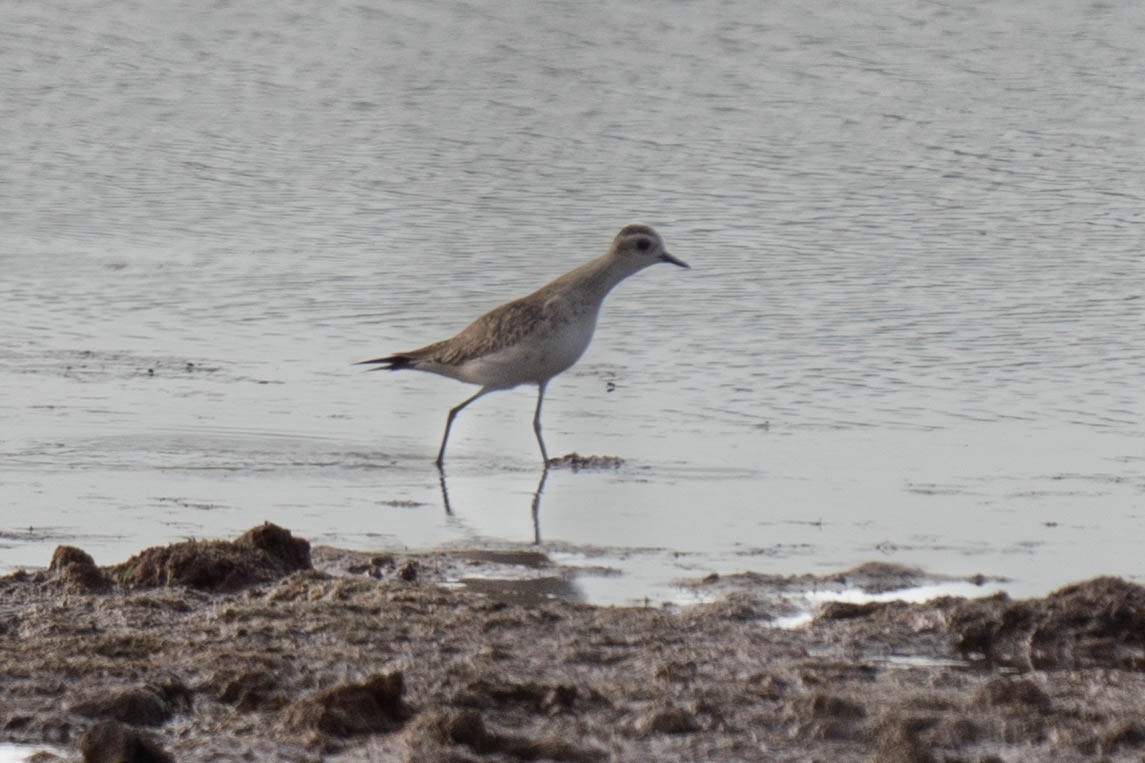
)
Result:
{"points": [[665, 257]]}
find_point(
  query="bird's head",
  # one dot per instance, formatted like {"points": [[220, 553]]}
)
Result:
{"points": [[640, 246]]}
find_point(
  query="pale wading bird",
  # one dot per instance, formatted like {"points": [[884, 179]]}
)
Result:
{"points": [[532, 339]]}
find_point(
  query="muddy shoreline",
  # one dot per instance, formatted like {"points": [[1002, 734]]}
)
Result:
{"points": [[266, 649]]}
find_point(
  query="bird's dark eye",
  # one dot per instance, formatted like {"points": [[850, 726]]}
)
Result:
{"points": [[643, 244]]}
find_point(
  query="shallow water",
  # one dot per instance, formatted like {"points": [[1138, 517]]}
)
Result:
{"points": [[18, 753], [913, 331]]}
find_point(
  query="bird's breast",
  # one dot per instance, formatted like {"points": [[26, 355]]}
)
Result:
{"points": [[569, 341]]}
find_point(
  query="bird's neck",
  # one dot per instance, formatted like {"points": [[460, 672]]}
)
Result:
{"points": [[595, 278]]}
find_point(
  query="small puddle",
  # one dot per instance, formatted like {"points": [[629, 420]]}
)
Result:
{"points": [[21, 753], [809, 603]]}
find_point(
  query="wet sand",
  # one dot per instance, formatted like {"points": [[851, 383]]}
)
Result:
{"points": [[264, 648]]}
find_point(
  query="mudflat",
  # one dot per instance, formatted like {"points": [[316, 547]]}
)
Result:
{"points": [[263, 648]]}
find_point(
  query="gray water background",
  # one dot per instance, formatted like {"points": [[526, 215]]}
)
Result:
{"points": [[913, 332]]}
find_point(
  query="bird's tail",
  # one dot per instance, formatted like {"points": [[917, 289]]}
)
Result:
{"points": [[388, 363]]}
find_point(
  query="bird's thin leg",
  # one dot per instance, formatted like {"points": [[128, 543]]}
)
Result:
{"points": [[449, 423], [537, 422]]}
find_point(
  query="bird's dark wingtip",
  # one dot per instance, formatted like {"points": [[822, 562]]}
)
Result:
{"points": [[388, 363]]}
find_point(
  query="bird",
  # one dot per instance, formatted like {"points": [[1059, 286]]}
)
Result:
{"points": [[536, 337]]}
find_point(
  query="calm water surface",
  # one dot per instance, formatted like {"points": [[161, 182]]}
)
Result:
{"points": [[914, 331]]}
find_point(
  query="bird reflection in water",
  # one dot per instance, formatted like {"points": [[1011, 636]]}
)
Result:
{"points": [[535, 505]]}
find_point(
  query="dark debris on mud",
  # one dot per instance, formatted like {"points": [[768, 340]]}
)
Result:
{"points": [[261, 554], [264, 649], [576, 462]]}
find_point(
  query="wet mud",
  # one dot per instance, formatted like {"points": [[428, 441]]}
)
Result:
{"points": [[264, 648]]}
